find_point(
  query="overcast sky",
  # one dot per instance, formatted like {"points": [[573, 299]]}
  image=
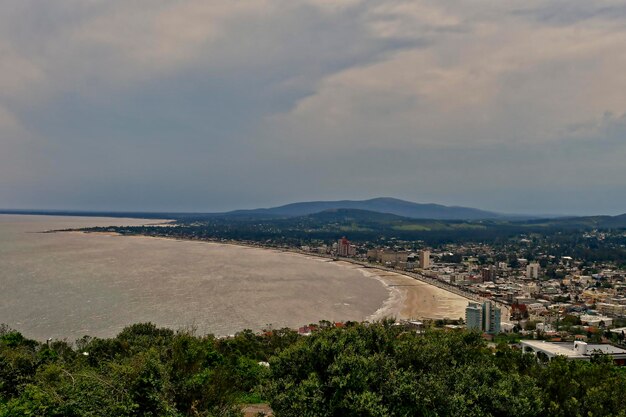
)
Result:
{"points": [[199, 105]]}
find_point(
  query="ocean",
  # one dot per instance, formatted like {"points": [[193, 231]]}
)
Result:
{"points": [[69, 284]]}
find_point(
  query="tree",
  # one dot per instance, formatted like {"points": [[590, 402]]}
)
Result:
{"points": [[380, 370]]}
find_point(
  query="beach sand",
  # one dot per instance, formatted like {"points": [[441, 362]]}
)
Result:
{"points": [[410, 298]]}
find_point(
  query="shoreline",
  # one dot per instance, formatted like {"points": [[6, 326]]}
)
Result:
{"points": [[76, 284], [409, 298]]}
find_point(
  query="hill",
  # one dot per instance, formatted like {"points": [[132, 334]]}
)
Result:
{"points": [[381, 205], [584, 222]]}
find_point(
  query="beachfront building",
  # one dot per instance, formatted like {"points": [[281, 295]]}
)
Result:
{"points": [[492, 317], [473, 316], [425, 259], [387, 257], [577, 350], [344, 248], [485, 317], [412, 261]]}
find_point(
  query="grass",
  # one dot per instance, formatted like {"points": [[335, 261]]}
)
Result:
{"points": [[412, 228]]}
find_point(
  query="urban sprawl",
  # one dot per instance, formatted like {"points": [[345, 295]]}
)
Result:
{"points": [[558, 305]]}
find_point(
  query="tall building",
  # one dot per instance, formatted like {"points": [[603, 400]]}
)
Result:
{"points": [[491, 318], [425, 259], [485, 317], [488, 274], [532, 270], [473, 316], [344, 248]]}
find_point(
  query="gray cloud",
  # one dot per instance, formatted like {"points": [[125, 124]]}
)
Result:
{"points": [[196, 105]]}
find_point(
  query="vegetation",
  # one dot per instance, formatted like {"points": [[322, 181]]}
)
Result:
{"points": [[361, 370], [144, 371], [557, 237]]}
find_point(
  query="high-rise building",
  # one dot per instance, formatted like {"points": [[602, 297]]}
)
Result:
{"points": [[485, 317], [473, 316], [488, 274], [425, 259], [344, 248], [491, 318], [532, 270]]}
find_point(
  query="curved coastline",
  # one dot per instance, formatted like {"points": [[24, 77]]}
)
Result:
{"points": [[408, 297], [62, 285]]}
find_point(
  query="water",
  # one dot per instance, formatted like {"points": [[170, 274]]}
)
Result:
{"points": [[67, 285]]}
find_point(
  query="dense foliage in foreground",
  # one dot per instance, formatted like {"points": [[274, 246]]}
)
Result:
{"points": [[361, 370]]}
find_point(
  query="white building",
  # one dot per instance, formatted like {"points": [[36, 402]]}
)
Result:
{"points": [[596, 320], [573, 351], [545, 327], [532, 271], [485, 317]]}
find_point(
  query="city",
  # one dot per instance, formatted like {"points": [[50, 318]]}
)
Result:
{"points": [[549, 297]]}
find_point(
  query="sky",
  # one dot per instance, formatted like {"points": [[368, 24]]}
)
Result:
{"points": [[202, 105]]}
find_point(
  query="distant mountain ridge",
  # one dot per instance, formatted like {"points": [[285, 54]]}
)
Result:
{"points": [[380, 205], [376, 210]]}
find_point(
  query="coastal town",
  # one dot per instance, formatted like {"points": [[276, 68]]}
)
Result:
{"points": [[563, 287], [558, 299]]}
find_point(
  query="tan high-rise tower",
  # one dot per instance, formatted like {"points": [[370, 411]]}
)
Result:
{"points": [[425, 259]]}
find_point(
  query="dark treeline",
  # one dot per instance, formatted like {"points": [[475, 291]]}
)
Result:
{"points": [[361, 370], [553, 240], [285, 232]]}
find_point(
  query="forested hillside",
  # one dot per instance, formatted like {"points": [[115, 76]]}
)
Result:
{"points": [[361, 370]]}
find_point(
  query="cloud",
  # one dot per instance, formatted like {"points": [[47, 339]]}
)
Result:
{"points": [[263, 101], [480, 81]]}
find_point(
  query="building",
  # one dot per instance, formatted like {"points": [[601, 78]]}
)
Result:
{"points": [[412, 260], [388, 257], [532, 271], [492, 317], [488, 274], [473, 316], [545, 327], [485, 317], [598, 321], [536, 309], [577, 350], [611, 309], [344, 248], [425, 259]]}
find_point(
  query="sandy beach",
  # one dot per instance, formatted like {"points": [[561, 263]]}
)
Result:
{"points": [[410, 298]]}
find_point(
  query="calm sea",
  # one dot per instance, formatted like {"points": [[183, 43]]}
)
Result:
{"points": [[67, 285]]}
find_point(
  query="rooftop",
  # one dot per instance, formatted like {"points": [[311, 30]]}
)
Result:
{"points": [[567, 349]]}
